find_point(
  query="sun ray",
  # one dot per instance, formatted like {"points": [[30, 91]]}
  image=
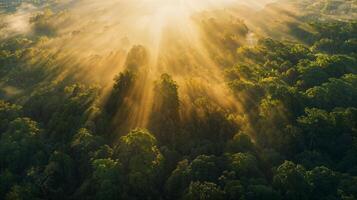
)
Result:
{"points": [[96, 36]]}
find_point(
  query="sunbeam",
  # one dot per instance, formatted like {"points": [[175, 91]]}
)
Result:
{"points": [[178, 99], [94, 34]]}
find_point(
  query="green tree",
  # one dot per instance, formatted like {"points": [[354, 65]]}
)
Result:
{"points": [[205, 168], [108, 179], [165, 113], [240, 143], [59, 176], [204, 191], [21, 145], [245, 165], [8, 112], [142, 162], [290, 180], [84, 144], [123, 83], [179, 180], [324, 183]]}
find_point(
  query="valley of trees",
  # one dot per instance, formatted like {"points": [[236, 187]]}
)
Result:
{"points": [[294, 137]]}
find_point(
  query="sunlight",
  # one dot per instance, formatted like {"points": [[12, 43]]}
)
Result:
{"points": [[175, 33], [140, 21], [178, 99]]}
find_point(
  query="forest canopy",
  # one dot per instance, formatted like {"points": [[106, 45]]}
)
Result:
{"points": [[244, 101]]}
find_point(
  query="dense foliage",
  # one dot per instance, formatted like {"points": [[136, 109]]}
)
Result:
{"points": [[297, 138]]}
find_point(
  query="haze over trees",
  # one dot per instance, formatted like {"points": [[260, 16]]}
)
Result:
{"points": [[275, 118]]}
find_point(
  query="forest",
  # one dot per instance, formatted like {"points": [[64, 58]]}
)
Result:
{"points": [[233, 103]]}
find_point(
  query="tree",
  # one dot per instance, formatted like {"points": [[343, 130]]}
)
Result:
{"points": [[8, 112], [137, 58], [108, 179], [327, 96], [44, 23], [122, 85], [245, 165], [204, 191], [329, 132], [165, 113], [59, 176], [233, 187], [240, 143], [205, 168], [324, 183], [84, 145], [20, 145], [141, 160], [290, 180], [179, 180]]}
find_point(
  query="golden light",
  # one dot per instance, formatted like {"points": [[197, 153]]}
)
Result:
{"points": [[98, 35]]}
